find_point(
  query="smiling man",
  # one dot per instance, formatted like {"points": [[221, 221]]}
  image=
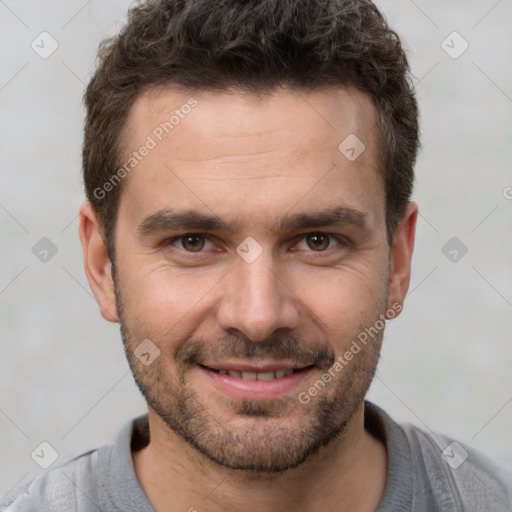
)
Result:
{"points": [[248, 169]]}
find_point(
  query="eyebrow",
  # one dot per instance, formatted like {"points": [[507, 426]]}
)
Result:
{"points": [[168, 220]]}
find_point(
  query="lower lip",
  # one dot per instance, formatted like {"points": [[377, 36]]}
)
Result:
{"points": [[256, 389]]}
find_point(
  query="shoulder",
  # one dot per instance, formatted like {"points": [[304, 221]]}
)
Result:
{"points": [[476, 480], [90, 482], [430, 471], [71, 486]]}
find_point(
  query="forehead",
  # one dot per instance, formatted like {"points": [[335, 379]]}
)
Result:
{"points": [[302, 114], [232, 151]]}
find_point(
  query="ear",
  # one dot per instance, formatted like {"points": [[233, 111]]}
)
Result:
{"points": [[97, 264], [401, 254]]}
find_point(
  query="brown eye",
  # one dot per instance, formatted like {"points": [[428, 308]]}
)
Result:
{"points": [[318, 241], [192, 243]]}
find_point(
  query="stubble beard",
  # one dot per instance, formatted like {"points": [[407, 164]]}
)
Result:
{"points": [[261, 436]]}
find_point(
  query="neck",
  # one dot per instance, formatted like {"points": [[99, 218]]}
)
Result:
{"points": [[348, 474]]}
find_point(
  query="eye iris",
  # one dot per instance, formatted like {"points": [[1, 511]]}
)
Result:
{"points": [[318, 242], [192, 243]]}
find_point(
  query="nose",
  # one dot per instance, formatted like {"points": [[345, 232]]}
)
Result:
{"points": [[257, 300]]}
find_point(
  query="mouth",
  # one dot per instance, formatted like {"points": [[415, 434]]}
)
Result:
{"points": [[264, 380], [256, 374]]}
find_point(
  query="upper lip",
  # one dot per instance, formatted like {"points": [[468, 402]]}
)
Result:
{"points": [[254, 366]]}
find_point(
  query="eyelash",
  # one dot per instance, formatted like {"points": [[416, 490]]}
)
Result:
{"points": [[342, 241]]}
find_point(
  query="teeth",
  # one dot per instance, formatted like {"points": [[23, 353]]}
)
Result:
{"points": [[265, 376]]}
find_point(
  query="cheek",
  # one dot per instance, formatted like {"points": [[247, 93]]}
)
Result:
{"points": [[166, 302], [343, 302]]}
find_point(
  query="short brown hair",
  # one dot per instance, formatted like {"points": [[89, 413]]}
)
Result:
{"points": [[257, 46]]}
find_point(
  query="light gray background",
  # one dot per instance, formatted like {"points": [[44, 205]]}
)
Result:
{"points": [[446, 361]]}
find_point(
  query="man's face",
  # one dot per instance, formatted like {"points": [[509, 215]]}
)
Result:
{"points": [[252, 252]]}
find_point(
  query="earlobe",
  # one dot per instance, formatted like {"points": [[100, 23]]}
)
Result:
{"points": [[401, 255], [97, 264]]}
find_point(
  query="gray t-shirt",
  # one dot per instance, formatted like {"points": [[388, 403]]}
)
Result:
{"points": [[427, 472]]}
